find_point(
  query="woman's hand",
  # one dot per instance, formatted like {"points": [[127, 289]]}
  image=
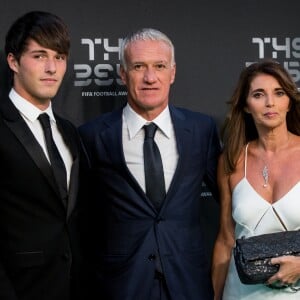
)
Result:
{"points": [[288, 273]]}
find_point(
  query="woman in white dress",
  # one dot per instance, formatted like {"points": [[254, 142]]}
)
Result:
{"points": [[259, 178]]}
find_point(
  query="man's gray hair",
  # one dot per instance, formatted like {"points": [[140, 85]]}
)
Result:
{"points": [[145, 34]]}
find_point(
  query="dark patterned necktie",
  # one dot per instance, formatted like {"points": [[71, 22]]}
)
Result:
{"points": [[154, 174], [57, 163]]}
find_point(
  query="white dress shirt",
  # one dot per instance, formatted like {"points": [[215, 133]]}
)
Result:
{"points": [[30, 114], [133, 139]]}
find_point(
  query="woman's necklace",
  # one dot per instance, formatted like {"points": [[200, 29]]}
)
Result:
{"points": [[265, 170], [265, 174]]}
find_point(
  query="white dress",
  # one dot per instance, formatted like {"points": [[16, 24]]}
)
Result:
{"points": [[253, 216]]}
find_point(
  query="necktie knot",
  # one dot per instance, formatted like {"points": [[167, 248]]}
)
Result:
{"points": [[150, 130], [44, 120]]}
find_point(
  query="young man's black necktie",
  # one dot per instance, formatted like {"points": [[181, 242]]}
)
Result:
{"points": [[57, 163]]}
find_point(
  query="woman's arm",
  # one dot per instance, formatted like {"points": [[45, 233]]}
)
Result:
{"points": [[225, 238]]}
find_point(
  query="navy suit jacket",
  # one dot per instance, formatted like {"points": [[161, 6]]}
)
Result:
{"points": [[126, 230], [39, 247]]}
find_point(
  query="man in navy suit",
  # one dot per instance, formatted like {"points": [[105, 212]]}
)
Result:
{"points": [[139, 250], [39, 245]]}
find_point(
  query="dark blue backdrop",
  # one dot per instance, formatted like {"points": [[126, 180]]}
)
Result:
{"points": [[214, 40]]}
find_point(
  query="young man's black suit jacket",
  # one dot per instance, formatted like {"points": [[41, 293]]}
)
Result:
{"points": [[39, 252]]}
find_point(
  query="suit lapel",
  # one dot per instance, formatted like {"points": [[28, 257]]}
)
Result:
{"points": [[183, 140], [27, 139], [67, 133], [112, 139], [73, 187], [14, 121]]}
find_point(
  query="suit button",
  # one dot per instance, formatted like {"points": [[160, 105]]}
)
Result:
{"points": [[66, 256], [151, 257], [158, 220]]}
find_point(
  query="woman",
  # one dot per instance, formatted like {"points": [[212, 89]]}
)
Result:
{"points": [[259, 178]]}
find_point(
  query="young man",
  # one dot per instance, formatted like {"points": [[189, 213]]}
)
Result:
{"points": [[39, 254], [146, 239]]}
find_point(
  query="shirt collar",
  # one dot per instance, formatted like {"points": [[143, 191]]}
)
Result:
{"points": [[27, 109], [135, 122]]}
